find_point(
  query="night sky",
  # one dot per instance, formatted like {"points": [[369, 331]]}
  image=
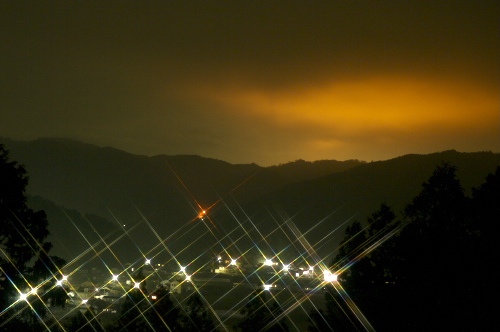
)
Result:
{"points": [[256, 81]]}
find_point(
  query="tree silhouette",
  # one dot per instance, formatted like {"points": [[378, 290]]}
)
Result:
{"points": [[364, 271], [133, 307], [432, 247], [198, 318], [24, 259], [383, 258], [260, 316], [485, 214], [350, 253], [337, 315], [162, 315], [436, 273], [83, 322]]}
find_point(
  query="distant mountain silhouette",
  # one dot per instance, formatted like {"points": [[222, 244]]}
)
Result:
{"points": [[68, 226], [126, 188], [116, 188], [359, 191]]}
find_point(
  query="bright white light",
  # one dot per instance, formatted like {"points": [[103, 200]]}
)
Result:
{"points": [[267, 287], [137, 284], [64, 277], [233, 261], [115, 277], [285, 267], [188, 277], [84, 301], [23, 297], [59, 282], [148, 261], [183, 269], [311, 268], [34, 290], [329, 277], [268, 262], [153, 297]]}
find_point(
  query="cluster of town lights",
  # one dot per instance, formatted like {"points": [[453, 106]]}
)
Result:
{"points": [[327, 277]]}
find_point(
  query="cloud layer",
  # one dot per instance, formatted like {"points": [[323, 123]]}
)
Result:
{"points": [[254, 81]]}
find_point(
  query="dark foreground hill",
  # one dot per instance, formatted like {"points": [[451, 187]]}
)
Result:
{"points": [[161, 196]]}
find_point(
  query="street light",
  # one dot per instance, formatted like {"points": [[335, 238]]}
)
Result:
{"points": [[23, 297], [329, 276], [268, 262], [233, 261]]}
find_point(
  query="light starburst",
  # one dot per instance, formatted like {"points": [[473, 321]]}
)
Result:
{"points": [[294, 287]]}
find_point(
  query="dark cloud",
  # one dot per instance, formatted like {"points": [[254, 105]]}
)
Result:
{"points": [[135, 74]]}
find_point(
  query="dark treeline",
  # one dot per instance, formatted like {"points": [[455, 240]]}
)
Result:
{"points": [[431, 269], [25, 261]]}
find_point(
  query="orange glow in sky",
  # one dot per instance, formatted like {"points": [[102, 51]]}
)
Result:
{"points": [[337, 117], [255, 82], [372, 104]]}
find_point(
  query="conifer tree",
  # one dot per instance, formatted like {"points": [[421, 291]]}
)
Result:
{"points": [[162, 315], [197, 318], [259, 315], [132, 310], [24, 260]]}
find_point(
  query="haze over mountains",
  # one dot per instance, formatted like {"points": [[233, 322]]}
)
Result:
{"points": [[102, 189]]}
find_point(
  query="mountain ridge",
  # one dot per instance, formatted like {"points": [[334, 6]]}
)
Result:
{"points": [[166, 193]]}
